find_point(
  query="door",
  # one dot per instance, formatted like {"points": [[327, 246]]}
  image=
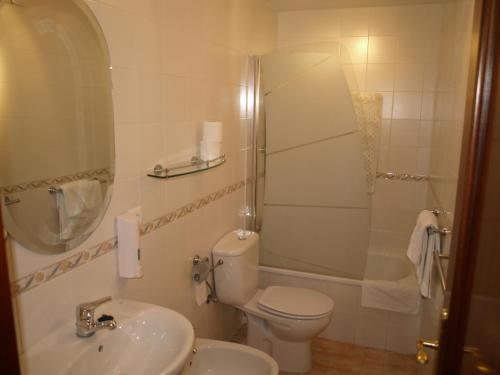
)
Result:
{"points": [[8, 354], [469, 342]]}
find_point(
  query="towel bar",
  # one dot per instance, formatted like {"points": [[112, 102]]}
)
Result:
{"points": [[437, 258], [54, 189], [443, 231]]}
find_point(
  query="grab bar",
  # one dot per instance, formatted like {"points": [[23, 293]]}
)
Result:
{"points": [[442, 278], [443, 231]]}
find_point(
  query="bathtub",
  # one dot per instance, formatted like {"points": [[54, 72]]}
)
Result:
{"points": [[386, 266], [390, 283], [352, 322]]}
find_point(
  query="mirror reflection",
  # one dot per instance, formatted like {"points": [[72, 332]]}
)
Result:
{"points": [[56, 123]]}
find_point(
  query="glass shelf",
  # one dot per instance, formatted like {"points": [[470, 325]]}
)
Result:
{"points": [[182, 169]]}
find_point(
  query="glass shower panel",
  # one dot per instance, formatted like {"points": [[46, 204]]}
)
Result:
{"points": [[315, 205]]}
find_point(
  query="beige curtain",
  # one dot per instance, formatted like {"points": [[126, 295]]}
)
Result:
{"points": [[368, 109]]}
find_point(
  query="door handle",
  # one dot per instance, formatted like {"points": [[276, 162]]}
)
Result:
{"points": [[422, 356]]}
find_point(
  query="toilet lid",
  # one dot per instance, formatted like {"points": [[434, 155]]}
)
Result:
{"points": [[295, 302]]}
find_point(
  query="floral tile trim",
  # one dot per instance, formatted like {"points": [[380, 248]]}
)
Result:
{"points": [[189, 208], [56, 181], [48, 273], [51, 272]]}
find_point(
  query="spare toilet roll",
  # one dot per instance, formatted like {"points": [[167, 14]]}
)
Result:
{"points": [[212, 131], [129, 252], [210, 150]]}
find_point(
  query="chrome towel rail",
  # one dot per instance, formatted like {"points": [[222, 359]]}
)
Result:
{"points": [[442, 278], [401, 176], [443, 231], [54, 189], [437, 252]]}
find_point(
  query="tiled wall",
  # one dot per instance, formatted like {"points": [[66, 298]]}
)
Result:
{"points": [[394, 51], [175, 63], [447, 133]]}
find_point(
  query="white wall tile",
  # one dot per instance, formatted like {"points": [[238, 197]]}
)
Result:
{"points": [[354, 50], [382, 49], [353, 22], [380, 77], [168, 76], [409, 77], [407, 105]]}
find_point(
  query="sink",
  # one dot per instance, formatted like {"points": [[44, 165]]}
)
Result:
{"points": [[148, 340]]}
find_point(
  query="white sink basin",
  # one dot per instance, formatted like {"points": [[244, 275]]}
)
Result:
{"points": [[148, 340]]}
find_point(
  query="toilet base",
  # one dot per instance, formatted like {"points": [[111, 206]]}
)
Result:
{"points": [[291, 356]]}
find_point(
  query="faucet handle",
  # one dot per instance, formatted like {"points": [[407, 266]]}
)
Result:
{"points": [[92, 305]]}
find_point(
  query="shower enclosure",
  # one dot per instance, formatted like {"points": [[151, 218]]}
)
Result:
{"points": [[317, 141]]}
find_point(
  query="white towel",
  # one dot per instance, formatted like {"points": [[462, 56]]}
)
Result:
{"points": [[418, 241], [423, 242], [77, 203], [424, 269], [400, 296]]}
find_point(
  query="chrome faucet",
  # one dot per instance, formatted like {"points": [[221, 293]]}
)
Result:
{"points": [[85, 323]]}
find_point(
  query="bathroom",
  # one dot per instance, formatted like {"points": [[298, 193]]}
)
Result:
{"points": [[310, 134]]}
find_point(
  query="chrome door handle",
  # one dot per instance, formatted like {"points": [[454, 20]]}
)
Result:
{"points": [[422, 356]]}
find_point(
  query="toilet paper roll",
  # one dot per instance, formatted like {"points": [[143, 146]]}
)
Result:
{"points": [[212, 131], [200, 293], [129, 252], [210, 150]]}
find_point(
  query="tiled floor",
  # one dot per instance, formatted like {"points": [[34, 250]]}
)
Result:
{"points": [[335, 358]]}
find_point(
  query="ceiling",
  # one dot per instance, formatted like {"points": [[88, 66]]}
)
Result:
{"points": [[287, 5]]}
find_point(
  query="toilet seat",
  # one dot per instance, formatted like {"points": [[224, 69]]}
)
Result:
{"points": [[295, 303]]}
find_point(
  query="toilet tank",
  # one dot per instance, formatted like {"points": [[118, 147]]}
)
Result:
{"points": [[236, 280]]}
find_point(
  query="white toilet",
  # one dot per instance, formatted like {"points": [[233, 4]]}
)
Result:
{"points": [[281, 320]]}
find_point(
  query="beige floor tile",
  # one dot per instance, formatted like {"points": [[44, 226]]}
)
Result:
{"points": [[336, 358]]}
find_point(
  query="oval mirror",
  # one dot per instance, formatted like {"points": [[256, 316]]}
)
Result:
{"points": [[56, 123]]}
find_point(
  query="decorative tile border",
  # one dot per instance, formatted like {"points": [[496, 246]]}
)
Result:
{"points": [[56, 181], [402, 176], [66, 265]]}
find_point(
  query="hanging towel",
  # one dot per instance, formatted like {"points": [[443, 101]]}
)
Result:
{"points": [[424, 270], [368, 110], [423, 242], [418, 241], [78, 203]]}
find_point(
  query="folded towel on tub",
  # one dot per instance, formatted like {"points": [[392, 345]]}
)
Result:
{"points": [[400, 296]]}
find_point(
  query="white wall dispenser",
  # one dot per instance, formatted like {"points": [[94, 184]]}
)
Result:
{"points": [[129, 252]]}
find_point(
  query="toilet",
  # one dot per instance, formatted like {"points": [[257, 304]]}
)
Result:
{"points": [[281, 320]]}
